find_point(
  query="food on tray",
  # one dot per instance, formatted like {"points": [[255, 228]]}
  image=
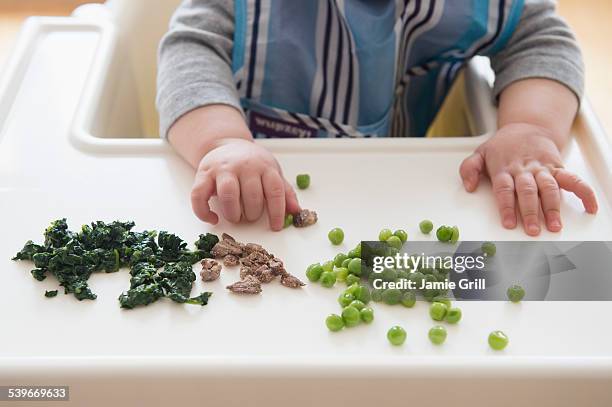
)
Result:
{"points": [[334, 322], [211, 269], [426, 226], [160, 264], [437, 335], [257, 266], [396, 335], [453, 315], [304, 218], [336, 236], [302, 181], [515, 293], [498, 340]]}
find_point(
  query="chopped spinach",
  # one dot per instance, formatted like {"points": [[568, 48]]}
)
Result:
{"points": [[159, 267]]}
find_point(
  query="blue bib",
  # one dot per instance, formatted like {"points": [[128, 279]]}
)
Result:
{"points": [[358, 68]]}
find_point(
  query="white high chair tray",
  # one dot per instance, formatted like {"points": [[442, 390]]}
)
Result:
{"points": [[273, 348]]}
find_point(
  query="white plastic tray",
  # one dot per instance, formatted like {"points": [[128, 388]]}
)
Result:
{"points": [[274, 348]]}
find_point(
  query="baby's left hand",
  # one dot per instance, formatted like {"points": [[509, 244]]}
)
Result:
{"points": [[523, 162]]}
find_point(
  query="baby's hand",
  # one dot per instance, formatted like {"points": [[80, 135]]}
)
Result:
{"points": [[523, 162], [243, 175]]}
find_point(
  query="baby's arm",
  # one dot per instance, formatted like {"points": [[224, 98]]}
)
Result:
{"points": [[539, 82], [200, 114]]}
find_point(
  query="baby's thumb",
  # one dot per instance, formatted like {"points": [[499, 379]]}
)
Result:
{"points": [[470, 171], [292, 205]]}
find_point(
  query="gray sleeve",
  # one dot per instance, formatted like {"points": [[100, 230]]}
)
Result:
{"points": [[194, 61], [543, 46]]}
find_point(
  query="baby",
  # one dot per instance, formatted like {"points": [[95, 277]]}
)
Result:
{"points": [[232, 70]]}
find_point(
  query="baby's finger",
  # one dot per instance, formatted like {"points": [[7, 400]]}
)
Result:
{"points": [[528, 199], [228, 192], [550, 195], [201, 192], [274, 191], [470, 171], [503, 187], [573, 183], [252, 196], [293, 206]]}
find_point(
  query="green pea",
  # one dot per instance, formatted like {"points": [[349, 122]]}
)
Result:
{"points": [[328, 265], [394, 242], [384, 235], [352, 279], [498, 340], [437, 311], [417, 277], [426, 226], [437, 335], [354, 266], [339, 259], [341, 273], [351, 316], [357, 304], [363, 294], [334, 322], [403, 274], [401, 233], [444, 233], [377, 294], [336, 236], [367, 315], [392, 296], [345, 263], [453, 315], [353, 289], [314, 271], [515, 293], [454, 235], [345, 299], [408, 299], [443, 300], [328, 279], [396, 335], [302, 181], [489, 248], [357, 251], [288, 220], [388, 275]]}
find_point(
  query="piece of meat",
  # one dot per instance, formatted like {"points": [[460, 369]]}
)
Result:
{"points": [[211, 270], [264, 274], [291, 281], [248, 285], [228, 245], [256, 259], [304, 218], [277, 266], [230, 260], [254, 247]]}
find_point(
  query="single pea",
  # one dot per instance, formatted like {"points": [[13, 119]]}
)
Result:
{"points": [[302, 181], [444, 300], [384, 235], [426, 226], [288, 220], [515, 293], [336, 236], [341, 273], [437, 311], [352, 279], [454, 235], [328, 265], [345, 299], [334, 322], [353, 289], [339, 259], [351, 316], [401, 233], [367, 314], [394, 242], [363, 294], [388, 275], [444, 233], [314, 271], [453, 315], [498, 340], [408, 299], [437, 335], [392, 296], [417, 277], [354, 266], [357, 250], [377, 294], [357, 304], [345, 262], [489, 248], [396, 335], [328, 279]]}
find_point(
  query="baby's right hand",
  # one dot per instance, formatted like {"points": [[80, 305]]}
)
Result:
{"points": [[245, 177]]}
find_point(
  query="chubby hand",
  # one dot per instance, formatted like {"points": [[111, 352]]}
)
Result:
{"points": [[524, 165], [246, 178]]}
